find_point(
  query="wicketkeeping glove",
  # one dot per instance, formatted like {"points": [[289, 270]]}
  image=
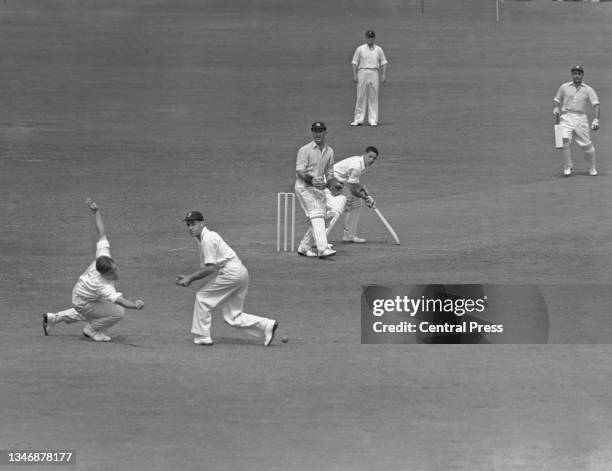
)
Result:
{"points": [[335, 186], [318, 182]]}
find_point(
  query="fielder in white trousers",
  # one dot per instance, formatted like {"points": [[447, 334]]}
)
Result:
{"points": [[368, 83], [226, 293], [369, 70], [225, 290], [95, 299], [100, 315]]}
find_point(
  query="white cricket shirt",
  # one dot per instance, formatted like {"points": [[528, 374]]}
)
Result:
{"points": [[213, 249], [350, 170], [576, 99], [91, 285], [366, 58]]}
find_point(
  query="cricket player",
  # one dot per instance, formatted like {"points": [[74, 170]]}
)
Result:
{"points": [[354, 193], [94, 297], [227, 284], [570, 108], [369, 70], [314, 171]]}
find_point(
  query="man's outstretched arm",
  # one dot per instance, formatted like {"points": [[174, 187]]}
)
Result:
{"points": [[99, 222]]}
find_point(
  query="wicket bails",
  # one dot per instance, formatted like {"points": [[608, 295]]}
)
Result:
{"points": [[282, 219]]}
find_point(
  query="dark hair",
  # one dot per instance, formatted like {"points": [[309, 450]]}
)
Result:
{"points": [[371, 149], [104, 265]]}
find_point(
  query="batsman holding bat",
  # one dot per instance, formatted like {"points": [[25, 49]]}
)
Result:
{"points": [[354, 193], [94, 297], [570, 108]]}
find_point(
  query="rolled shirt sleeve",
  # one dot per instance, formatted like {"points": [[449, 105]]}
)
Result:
{"points": [[593, 96], [214, 250], [109, 293], [350, 169], [103, 248]]}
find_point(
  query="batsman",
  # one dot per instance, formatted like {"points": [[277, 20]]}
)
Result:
{"points": [[348, 172], [571, 109]]}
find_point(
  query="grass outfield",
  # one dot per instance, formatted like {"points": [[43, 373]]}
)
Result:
{"points": [[156, 107]]}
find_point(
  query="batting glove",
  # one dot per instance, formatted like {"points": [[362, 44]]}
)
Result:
{"points": [[595, 124]]}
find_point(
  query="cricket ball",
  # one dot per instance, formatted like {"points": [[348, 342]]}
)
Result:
{"points": [[285, 339]]}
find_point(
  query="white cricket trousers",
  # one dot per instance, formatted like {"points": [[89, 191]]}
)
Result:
{"points": [[576, 126], [226, 293], [101, 315], [348, 203], [367, 96]]}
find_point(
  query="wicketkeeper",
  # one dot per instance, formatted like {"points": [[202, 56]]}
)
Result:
{"points": [[313, 170]]}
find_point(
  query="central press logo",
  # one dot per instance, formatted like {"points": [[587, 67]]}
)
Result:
{"points": [[456, 314]]}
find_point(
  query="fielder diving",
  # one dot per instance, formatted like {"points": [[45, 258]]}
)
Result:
{"points": [[94, 297]]}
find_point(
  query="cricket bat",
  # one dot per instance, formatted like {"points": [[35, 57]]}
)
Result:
{"points": [[558, 135], [387, 226]]}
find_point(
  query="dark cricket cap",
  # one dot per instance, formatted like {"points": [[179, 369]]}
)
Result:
{"points": [[370, 33], [318, 125], [194, 216], [578, 68]]}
